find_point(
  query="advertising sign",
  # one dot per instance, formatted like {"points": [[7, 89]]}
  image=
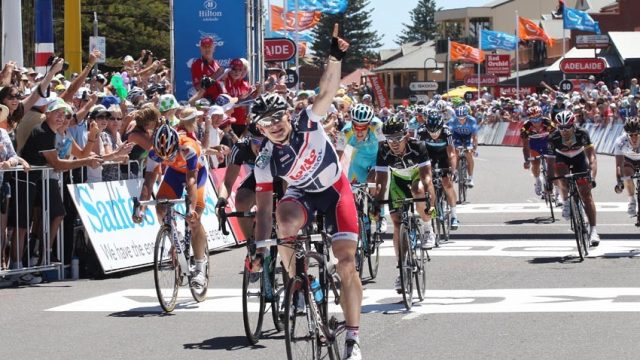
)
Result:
{"points": [[279, 49], [499, 65], [583, 66], [223, 20], [592, 41], [217, 177], [105, 210], [485, 80], [511, 91], [379, 91], [423, 86]]}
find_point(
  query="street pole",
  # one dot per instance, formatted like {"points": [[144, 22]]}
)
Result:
{"points": [[95, 34]]}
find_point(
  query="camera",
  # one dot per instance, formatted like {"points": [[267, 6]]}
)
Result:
{"points": [[53, 58], [206, 82]]}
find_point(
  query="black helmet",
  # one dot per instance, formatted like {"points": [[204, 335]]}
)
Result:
{"points": [[266, 105], [632, 125], [434, 122], [394, 125]]}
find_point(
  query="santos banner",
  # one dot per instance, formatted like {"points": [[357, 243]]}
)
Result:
{"points": [[223, 20], [105, 209]]}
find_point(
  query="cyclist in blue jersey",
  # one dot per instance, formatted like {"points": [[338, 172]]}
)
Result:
{"points": [[464, 130], [417, 121]]}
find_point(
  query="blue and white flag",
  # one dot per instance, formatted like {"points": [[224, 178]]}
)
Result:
{"points": [[494, 40], [579, 20], [325, 6]]}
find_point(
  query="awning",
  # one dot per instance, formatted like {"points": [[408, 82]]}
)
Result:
{"points": [[529, 77], [612, 60], [459, 91]]}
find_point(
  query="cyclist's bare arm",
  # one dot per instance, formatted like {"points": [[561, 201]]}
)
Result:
{"points": [[425, 177], [192, 190], [590, 151], [330, 80], [147, 186], [230, 177]]}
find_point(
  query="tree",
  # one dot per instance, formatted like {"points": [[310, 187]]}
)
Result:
{"points": [[355, 27], [423, 25]]}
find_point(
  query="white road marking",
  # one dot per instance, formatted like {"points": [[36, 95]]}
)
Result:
{"points": [[388, 301], [498, 208], [526, 248]]}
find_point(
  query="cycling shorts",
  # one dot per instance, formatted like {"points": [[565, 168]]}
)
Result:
{"points": [[576, 164], [441, 160], [400, 188], [172, 186], [464, 142], [635, 164], [249, 183], [336, 203], [538, 146]]}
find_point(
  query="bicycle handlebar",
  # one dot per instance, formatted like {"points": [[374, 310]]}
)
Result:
{"points": [[223, 215], [572, 176]]}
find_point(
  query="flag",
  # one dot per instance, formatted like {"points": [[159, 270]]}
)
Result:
{"points": [[44, 33], [579, 20], [325, 6], [494, 40], [466, 53], [528, 30], [299, 36], [306, 19]]}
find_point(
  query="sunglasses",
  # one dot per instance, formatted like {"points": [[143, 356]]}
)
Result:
{"points": [[633, 134], [274, 119], [68, 117], [565, 127], [14, 97], [395, 138], [361, 127], [115, 118], [101, 117], [237, 69], [536, 120]]}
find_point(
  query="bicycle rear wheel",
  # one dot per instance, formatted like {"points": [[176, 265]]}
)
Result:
{"points": [[374, 254], [405, 267], [577, 226], [584, 225], [277, 289], [462, 182], [253, 305], [421, 272], [360, 250], [200, 295], [299, 323], [166, 270]]}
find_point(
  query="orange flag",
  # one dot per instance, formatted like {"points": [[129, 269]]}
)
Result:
{"points": [[306, 19], [466, 53], [528, 30]]}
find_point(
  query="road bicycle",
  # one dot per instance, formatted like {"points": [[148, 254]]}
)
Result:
{"points": [[442, 221], [412, 259], [258, 289], [173, 259], [309, 331], [579, 221], [368, 242], [548, 196], [636, 177], [463, 174]]}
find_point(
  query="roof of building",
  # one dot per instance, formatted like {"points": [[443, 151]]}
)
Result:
{"points": [[496, 3], [612, 60], [414, 59], [554, 27], [626, 43], [591, 6]]}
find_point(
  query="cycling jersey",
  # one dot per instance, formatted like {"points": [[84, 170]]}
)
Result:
{"points": [[364, 153], [241, 153], [624, 147], [414, 124], [437, 148], [537, 136], [570, 148], [462, 132], [448, 113]]}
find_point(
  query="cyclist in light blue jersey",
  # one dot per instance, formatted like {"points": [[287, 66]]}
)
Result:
{"points": [[417, 121], [464, 129]]}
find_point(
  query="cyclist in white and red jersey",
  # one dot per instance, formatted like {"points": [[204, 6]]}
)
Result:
{"points": [[299, 151]]}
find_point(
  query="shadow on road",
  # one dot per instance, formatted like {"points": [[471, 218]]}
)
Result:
{"points": [[536, 220], [569, 259], [228, 343]]}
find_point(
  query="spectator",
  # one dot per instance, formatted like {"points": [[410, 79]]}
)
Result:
{"points": [[207, 66], [214, 141], [239, 87], [168, 105], [634, 88], [113, 147], [139, 134]]}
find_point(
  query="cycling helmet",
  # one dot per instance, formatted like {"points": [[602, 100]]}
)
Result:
{"points": [[534, 112], [441, 105], [565, 118], [361, 114], [434, 122], [165, 142], [134, 93], [457, 101], [437, 97], [632, 125], [266, 105], [420, 110], [202, 103], [462, 111], [394, 125]]}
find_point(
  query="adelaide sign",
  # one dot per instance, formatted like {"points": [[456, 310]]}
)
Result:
{"points": [[485, 80], [583, 66], [279, 49]]}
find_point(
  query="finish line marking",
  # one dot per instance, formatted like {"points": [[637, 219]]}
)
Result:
{"points": [[526, 248], [388, 301], [499, 208]]}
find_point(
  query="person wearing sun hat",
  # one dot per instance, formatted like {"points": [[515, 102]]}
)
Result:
{"points": [[207, 66], [168, 105]]}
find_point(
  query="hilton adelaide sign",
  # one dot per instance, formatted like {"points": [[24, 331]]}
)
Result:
{"points": [[583, 66]]}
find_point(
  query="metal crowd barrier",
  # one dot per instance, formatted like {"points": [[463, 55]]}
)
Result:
{"points": [[38, 229]]}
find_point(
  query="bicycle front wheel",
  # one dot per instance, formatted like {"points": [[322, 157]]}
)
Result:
{"points": [[253, 304], [405, 267], [577, 226], [374, 254], [200, 294], [360, 253], [299, 323], [166, 270]]}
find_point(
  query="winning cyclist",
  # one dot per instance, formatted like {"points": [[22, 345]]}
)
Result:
{"points": [[570, 148], [299, 151], [405, 161], [627, 153], [535, 133], [465, 135], [439, 142], [182, 157]]}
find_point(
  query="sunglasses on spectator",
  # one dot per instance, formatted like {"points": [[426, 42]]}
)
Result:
{"points": [[14, 97], [115, 118], [102, 117], [68, 116], [237, 69]]}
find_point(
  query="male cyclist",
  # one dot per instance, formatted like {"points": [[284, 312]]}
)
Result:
{"points": [[439, 142], [184, 165], [417, 121], [627, 153], [405, 162], [465, 135], [299, 151], [447, 111], [570, 148], [534, 133]]}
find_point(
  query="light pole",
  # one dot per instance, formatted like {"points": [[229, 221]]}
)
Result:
{"points": [[426, 71]]}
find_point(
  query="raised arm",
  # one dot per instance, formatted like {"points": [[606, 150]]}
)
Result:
{"points": [[67, 95], [330, 80]]}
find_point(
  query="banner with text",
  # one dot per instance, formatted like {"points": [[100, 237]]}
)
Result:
{"points": [[105, 210], [223, 20], [378, 90]]}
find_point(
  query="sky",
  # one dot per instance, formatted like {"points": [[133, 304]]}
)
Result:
{"points": [[389, 15]]}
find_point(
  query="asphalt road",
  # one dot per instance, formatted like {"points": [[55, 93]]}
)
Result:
{"points": [[507, 287]]}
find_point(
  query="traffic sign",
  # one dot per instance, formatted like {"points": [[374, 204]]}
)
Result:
{"points": [[592, 41], [291, 79], [423, 86], [485, 80], [279, 49], [583, 66], [468, 96], [566, 86]]}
